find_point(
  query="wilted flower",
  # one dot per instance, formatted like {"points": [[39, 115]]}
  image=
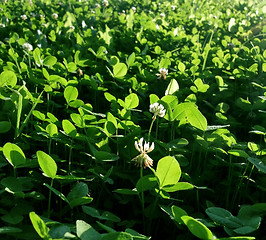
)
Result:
{"points": [[27, 47], [143, 160], [105, 3], [24, 17], [157, 109], [163, 73], [55, 15]]}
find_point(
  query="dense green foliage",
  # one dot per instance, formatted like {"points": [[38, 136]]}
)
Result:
{"points": [[132, 119]]}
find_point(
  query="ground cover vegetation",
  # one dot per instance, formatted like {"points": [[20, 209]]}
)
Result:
{"points": [[132, 119]]}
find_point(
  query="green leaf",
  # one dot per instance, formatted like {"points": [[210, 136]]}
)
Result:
{"points": [[52, 130], [238, 153], [69, 128], [260, 165], [131, 59], [168, 171], [5, 126], [37, 57], [12, 218], [131, 101], [56, 192], [79, 190], [12, 184], [49, 61], [172, 87], [126, 191], [106, 36], [119, 70], [86, 232], [106, 156], [178, 213], [47, 164], [237, 238], [200, 86], [14, 154], [117, 236], [39, 225], [197, 228], [146, 182], [7, 230], [70, 93], [189, 112], [8, 78], [80, 201], [223, 217], [178, 187], [181, 67]]}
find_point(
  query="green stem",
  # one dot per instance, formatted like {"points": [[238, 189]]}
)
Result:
{"points": [[149, 134], [142, 202], [69, 158], [229, 180], [239, 185], [49, 200]]}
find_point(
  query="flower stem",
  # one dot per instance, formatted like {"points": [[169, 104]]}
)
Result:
{"points": [[153, 120], [142, 202]]}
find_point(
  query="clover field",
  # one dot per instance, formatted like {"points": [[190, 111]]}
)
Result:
{"points": [[126, 120]]}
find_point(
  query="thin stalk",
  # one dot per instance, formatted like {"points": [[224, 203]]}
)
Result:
{"points": [[153, 209], [29, 114], [207, 52], [238, 186], [49, 200], [149, 134], [229, 181], [70, 158], [142, 203]]}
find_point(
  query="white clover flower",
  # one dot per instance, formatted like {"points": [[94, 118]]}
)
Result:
{"points": [[162, 15], [134, 9], [163, 73], [2, 25], [27, 47], [83, 24], [24, 17], [55, 15], [157, 109], [173, 7], [157, 27], [143, 160], [105, 3], [97, 5], [72, 27]]}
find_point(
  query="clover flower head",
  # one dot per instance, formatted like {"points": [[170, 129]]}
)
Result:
{"points": [[173, 7], [24, 17], [55, 15], [163, 73], [105, 3], [83, 23], [97, 5], [27, 47], [2, 25], [134, 9], [157, 109], [143, 159], [162, 15]]}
